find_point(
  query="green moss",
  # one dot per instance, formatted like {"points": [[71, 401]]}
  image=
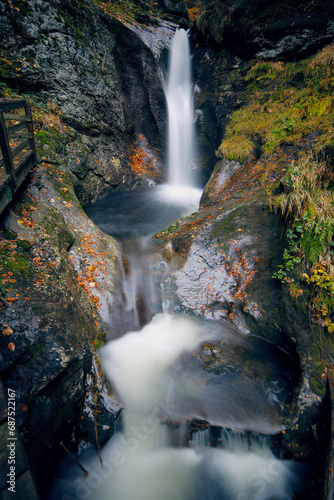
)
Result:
{"points": [[98, 343], [72, 24], [9, 235], [15, 263], [317, 382], [23, 244], [283, 103], [47, 140], [37, 349]]}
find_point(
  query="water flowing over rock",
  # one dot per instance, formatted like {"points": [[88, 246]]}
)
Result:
{"points": [[182, 368], [207, 337]]}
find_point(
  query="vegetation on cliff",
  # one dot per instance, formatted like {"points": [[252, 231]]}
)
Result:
{"points": [[286, 118]]}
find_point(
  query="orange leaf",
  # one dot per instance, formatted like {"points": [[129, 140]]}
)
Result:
{"points": [[7, 331], [11, 346], [24, 407]]}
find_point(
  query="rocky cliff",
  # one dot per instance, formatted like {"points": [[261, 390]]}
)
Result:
{"points": [[101, 76]]}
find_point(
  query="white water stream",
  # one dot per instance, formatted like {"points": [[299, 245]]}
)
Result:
{"points": [[158, 376], [154, 459]]}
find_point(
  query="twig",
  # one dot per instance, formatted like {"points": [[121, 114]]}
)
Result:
{"points": [[97, 440], [75, 460]]}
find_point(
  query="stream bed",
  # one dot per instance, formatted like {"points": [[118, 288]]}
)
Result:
{"points": [[201, 400]]}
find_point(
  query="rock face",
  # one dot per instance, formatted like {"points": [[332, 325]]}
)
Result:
{"points": [[54, 295], [175, 7], [99, 73], [225, 255], [229, 250], [269, 30], [218, 81]]}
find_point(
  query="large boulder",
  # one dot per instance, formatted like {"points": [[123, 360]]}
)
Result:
{"points": [[228, 251]]}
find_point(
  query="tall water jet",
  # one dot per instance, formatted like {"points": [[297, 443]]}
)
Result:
{"points": [[179, 95]]}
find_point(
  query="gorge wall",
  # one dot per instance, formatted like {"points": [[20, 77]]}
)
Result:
{"points": [[98, 74]]}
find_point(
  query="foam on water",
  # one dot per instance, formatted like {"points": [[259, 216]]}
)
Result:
{"points": [[137, 362], [187, 196]]}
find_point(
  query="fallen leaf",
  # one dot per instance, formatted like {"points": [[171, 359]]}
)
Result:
{"points": [[7, 331], [11, 346]]}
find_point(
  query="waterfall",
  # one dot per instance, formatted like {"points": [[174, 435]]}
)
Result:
{"points": [[179, 95], [175, 370]]}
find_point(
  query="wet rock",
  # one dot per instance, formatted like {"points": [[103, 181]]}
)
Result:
{"points": [[258, 28], [226, 254], [222, 173], [52, 311], [174, 7], [218, 79], [101, 75], [157, 36]]}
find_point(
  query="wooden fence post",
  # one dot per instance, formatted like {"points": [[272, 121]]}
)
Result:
{"points": [[30, 128], [6, 153]]}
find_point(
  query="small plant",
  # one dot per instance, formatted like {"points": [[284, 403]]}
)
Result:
{"points": [[308, 203], [290, 258], [264, 71], [98, 343]]}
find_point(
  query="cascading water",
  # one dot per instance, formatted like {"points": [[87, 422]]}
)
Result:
{"points": [[179, 95], [154, 459], [162, 375]]}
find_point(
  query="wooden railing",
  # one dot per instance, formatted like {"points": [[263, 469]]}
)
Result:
{"points": [[18, 153]]}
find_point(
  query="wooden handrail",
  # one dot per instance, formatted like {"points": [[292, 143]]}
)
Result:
{"points": [[20, 146], [17, 145], [15, 128], [11, 104], [6, 152], [16, 117]]}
